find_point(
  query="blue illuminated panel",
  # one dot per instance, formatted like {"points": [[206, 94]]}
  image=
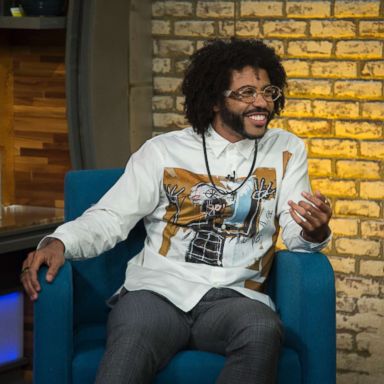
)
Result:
{"points": [[11, 327]]}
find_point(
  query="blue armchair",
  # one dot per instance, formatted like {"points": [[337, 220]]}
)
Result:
{"points": [[70, 314]]}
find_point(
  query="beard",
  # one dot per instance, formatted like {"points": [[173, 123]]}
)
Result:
{"points": [[235, 121]]}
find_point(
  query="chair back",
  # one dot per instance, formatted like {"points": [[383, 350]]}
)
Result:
{"points": [[96, 279]]}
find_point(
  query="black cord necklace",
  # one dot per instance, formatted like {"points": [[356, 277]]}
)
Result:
{"points": [[210, 176]]}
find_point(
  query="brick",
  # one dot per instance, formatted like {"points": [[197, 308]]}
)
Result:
{"points": [[344, 341], [355, 8], [345, 303], [373, 69], [309, 127], [284, 28], [215, 9], [362, 89], [372, 190], [359, 49], [371, 28], [372, 149], [332, 29], [335, 109], [169, 120], [172, 8], [358, 247], [343, 264], [308, 9], [372, 228], [374, 268], [166, 84], [344, 227], [277, 45], [358, 130], [226, 29], [371, 304], [360, 208], [180, 100], [296, 68], [276, 123], [357, 169], [248, 29], [261, 8], [160, 65], [157, 9], [181, 65], [334, 69], [319, 167], [297, 108], [310, 88], [160, 27], [348, 361], [348, 377], [173, 48], [309, 48], [162, 102], [355, 287], [372, 110], [333, 148], [370, 343], [200, 44], [195, 28], [336, 188]]}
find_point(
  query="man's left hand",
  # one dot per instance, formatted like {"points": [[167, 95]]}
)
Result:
{"points": [[313, 216]]}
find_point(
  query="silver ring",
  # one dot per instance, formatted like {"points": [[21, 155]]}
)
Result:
{"points": [[24, 270]]}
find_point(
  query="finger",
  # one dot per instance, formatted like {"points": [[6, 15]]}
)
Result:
{"points": [[300, 221], [313, 212], [29, 288], [304, 209], [319, 200], [54, 267], [25, 278], [37, 261]]}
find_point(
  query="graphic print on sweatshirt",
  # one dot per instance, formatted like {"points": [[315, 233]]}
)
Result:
{"points": [[211, 218]]}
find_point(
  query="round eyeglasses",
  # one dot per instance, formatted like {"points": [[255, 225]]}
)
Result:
{"points": [[249, 94]]}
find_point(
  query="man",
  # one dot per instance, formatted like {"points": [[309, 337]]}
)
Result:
{"points": [[212, 197]]}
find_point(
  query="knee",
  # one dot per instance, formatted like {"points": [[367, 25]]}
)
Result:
{"points": [[265, 331]]}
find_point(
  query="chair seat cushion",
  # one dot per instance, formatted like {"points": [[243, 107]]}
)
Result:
{"points": [[187, 367]]}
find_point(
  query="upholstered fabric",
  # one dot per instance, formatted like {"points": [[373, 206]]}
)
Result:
{"points": [[70, 314]]}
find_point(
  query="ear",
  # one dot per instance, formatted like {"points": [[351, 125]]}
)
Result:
{"points": [[216, 108]]}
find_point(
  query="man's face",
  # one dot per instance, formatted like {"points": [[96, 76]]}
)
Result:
{"points": [[235, 119]]}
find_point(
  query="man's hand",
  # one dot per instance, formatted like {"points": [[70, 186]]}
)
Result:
{"points": [[313, 216], [52, 255]]}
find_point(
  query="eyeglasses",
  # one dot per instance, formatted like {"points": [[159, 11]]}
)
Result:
{"points": [[249, 94]]}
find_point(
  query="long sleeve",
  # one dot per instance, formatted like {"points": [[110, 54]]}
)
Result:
{"points": [[294, 182], [135, 195]]}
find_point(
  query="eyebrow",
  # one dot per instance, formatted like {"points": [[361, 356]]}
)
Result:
{"points": [[251, 86]]}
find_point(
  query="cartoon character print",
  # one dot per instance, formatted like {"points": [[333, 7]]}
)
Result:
{"points": [[213, 217]]}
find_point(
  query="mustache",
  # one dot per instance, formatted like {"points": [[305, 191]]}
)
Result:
{"points": [[257, 109]]}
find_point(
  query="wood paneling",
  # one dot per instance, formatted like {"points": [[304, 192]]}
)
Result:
{"points": [[41, 153], [6, 122]]}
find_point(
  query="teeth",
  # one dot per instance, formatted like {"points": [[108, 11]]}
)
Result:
{"points": [[257, 117]]}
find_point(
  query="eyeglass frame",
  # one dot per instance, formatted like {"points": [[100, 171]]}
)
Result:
{"points": [[238, 96]]}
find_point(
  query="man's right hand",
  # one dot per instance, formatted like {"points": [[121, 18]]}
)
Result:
{"points": [[52, 255]]}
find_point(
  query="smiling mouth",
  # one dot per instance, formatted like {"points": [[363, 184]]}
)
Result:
{"points": [[259, 119]]}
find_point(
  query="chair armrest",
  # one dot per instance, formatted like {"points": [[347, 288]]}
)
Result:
{"points": [[303, 288], [53, 328]]}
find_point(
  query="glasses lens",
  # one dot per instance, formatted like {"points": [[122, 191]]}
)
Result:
{"points": [[272, 93], [247, 95]]}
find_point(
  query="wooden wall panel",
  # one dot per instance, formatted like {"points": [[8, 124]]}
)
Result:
{"points": [[6, 122], [41, 152]]}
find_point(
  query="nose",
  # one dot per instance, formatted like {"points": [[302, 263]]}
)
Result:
{"points": [[259, 101]]}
